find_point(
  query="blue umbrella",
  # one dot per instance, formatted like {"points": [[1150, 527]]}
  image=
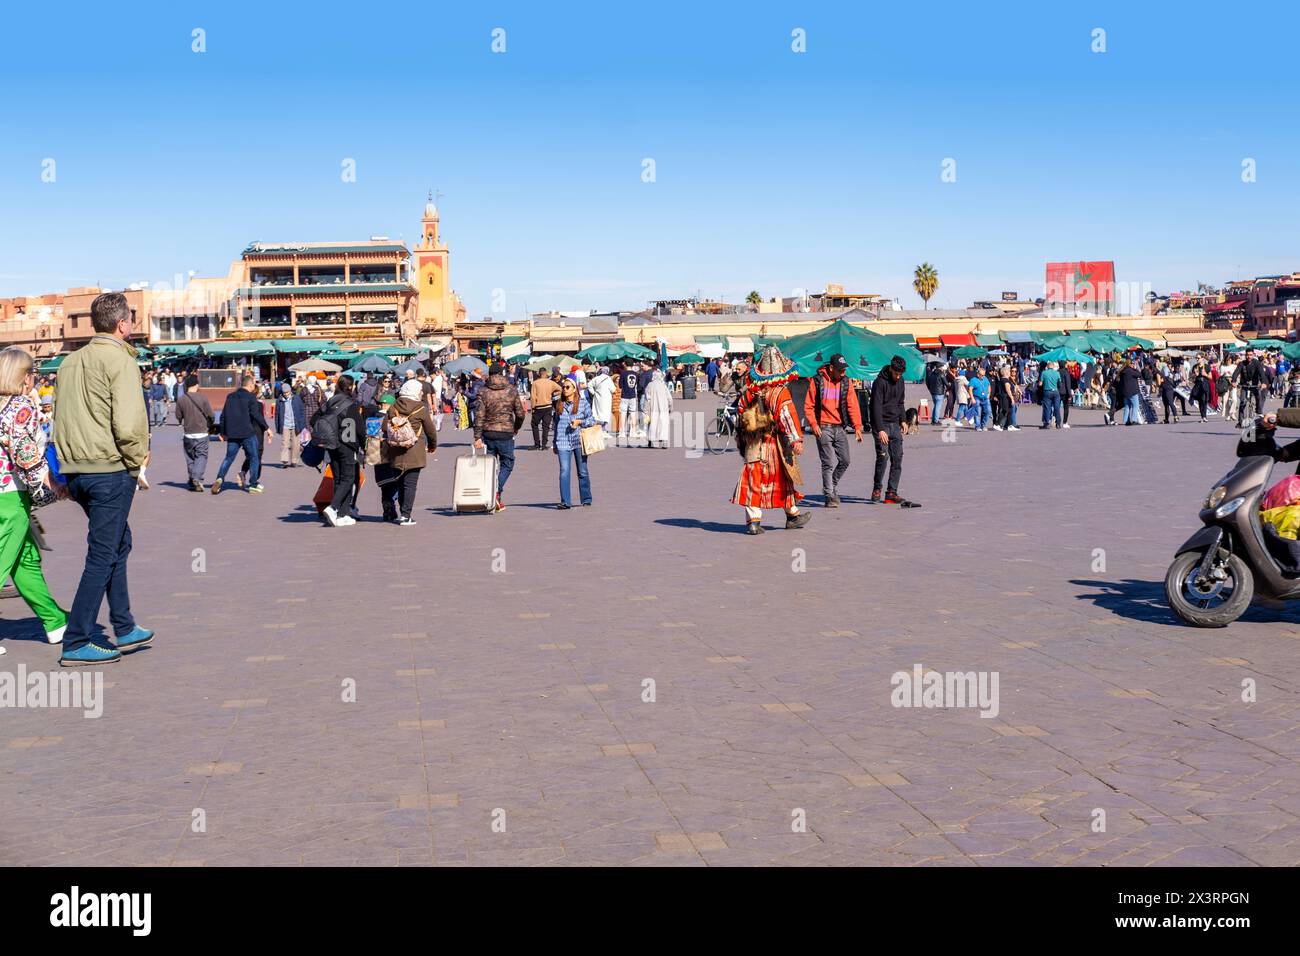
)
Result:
{"points": [[372, 363], [465, 365]]}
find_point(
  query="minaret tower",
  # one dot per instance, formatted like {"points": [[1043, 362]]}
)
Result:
{"points": [[431, 269]]}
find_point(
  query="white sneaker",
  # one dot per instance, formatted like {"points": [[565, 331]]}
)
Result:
{"points": [[56, 636], [1012, 428], [344, 521], [331, 516], [997, 428], [406, 523], [1066, 425], [2, 650]]}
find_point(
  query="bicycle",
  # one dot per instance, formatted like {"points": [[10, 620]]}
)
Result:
{"points": [[720, 435]]}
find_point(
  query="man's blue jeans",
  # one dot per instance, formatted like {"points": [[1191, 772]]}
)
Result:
{"points": [[1132, 409], [567, 460], [937, 415], [983, 412], [1051, 408], [106, 500], [249, 445], [504, 449]]}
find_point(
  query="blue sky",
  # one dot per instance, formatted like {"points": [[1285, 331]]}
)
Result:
{"points": [[774, 170]]}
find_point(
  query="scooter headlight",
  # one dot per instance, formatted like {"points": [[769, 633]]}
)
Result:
{"points": [[1216, 496], [1228, 507]]}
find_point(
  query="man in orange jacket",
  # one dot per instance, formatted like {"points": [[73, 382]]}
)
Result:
{"points": [[831, 405]]}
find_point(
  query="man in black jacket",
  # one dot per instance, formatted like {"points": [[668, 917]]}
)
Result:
{"points": [[242, 424], [1130, 393], [887, 426], [936, 383], [1250, 379]]}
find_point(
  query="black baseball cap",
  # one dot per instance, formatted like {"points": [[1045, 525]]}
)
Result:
{"points": [[838, 361]]}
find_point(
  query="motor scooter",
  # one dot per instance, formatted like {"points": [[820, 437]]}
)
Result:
{"points": [[1221, 568]]}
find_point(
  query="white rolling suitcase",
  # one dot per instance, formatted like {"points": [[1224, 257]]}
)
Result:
{"points": [[475, 485]]}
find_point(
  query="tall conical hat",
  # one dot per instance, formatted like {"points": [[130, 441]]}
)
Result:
{"points": [[770, 365]]}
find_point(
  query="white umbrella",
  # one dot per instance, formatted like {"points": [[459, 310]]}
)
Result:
{"points": [[315, 365]]}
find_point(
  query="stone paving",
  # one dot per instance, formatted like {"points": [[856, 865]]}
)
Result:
{"points": [[499, 715]]}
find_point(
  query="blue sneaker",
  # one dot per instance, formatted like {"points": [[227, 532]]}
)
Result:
{"points": [[88, 655], [137, 639]]}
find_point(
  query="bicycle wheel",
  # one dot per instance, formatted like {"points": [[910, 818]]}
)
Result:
{"points": [[718, 439]]}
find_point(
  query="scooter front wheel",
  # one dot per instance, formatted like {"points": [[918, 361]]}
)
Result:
{"points": [[1208, 603]]}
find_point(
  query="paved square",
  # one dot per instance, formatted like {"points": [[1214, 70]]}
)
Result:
{"points": [[644, 684]]}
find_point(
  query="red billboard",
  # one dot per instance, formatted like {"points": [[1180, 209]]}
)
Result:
{"points": [[1081, 283]]}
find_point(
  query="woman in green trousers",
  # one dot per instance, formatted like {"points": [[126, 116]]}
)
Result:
{"points": [[23, 467]]}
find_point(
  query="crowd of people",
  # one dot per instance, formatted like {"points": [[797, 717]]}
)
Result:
{"points": [[986, 393], [87, 436]]}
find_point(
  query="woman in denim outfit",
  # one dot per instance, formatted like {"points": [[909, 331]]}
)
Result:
{"points": [[572, 413]]}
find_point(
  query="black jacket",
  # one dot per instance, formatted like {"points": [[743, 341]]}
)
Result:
{"points": [[886, 401], [241, 416], [1130, 380], [1250, 374]]}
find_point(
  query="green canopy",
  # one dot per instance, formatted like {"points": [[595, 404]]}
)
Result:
{"points": [[523, 358], [690, 358], [237, 348], [990, 340], [395, 351], [166, 354], [52, 365], [1066, 354], [1291, 350], [1110, 341], [340, 357], [867, 352], [613, 351], [1078, 340], [303, 346], [969, 351]]}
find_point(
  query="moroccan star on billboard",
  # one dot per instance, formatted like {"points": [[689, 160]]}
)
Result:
{"points": [[1081, 283]]}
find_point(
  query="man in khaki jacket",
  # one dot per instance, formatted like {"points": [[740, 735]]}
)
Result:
{"points": [[101, 432]]}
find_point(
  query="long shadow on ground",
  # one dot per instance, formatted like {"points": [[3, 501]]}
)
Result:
{"points": [[715, 526]]}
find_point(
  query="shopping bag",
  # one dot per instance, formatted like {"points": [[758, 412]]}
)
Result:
{"points": [[593, 439]]}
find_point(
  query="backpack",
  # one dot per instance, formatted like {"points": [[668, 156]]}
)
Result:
{"points": [[398, 431], [325, 425]]}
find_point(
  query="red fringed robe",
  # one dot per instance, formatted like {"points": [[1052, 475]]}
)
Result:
{"points": [[764, 483]]}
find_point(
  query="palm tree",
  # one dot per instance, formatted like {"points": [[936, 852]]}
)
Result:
{"points": [[753, 298], [926, 282]]}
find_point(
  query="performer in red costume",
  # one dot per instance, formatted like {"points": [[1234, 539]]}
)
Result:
{"points": [[769, 439]]}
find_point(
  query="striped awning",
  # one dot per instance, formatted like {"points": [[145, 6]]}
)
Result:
{"points": [[674, 338], [928, 342], [557, 345], [518, 347], [1176, 339], [740, 343]]}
